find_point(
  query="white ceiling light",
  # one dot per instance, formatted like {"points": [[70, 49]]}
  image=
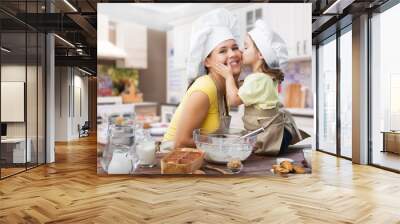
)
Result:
{"points": [[86, 72], [65, 41], [338, 6], [70, 5], [79, 51], [5, 50]]}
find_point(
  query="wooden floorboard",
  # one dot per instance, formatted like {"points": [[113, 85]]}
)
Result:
{"points": [[69, 191], [387, 159]]}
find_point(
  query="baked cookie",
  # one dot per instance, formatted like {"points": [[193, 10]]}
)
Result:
{"points": [[298, 169], [287, 165]]}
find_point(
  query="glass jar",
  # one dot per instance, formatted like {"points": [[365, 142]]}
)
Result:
{"points": [[119, 157], [146, 151], [145, 147]]}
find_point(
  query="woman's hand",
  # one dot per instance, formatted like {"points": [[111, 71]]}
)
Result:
{"points": [[223, 70]]}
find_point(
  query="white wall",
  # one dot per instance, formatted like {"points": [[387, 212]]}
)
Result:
{"points": [[80, 94], [71, 94], [61, 103]]}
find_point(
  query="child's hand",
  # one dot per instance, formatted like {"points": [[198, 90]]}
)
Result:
{"points": [[223, 70]]}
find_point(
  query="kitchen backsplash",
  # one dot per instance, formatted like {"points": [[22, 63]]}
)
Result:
{"points": [[296, 89]]}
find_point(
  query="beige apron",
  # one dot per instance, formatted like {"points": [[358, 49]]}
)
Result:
{"points": [[224, 117], [269, 142]]}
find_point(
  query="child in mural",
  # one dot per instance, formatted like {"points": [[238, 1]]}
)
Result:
{"points": [[266, 54]]}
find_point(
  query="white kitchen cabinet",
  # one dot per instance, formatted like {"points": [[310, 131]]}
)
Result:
{"points": [[181, 42], [102, 21], [241, 14], [133, 39], [294, 26], [308, 30], [302, 27], [128, 49], [290, 25], [283, 24]]}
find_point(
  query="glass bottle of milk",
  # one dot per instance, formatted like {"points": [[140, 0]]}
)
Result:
{"points": [[145, 148], [119, 156]]}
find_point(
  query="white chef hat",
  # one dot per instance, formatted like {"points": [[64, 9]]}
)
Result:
{"points": [[271, 46], [207, 32]]}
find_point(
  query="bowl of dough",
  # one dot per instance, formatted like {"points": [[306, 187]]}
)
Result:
{"points": [[224, 145]]}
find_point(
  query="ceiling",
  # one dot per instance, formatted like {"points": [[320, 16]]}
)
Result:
{"points": [[76, 24], [158, 16], [162, 7]]}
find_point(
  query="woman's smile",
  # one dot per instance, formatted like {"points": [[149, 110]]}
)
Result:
{"points": [[234, 62]]}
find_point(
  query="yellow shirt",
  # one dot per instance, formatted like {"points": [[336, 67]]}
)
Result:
{"points": [[206, 85], [260, 90]]}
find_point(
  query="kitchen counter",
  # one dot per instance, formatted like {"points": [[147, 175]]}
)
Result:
{"points": [[301, 112], [254, 165]]}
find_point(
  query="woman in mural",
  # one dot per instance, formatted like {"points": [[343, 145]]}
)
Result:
{"points": [[214, 40]]}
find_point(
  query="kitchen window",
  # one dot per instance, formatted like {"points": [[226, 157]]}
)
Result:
{"points": [[327, 96], [334, 89], [385, 89], [23, 90], [251, 18], [112, 32], [346, 92]]}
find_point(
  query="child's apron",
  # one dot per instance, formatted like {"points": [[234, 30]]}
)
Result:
{"points": [[269, 142]]}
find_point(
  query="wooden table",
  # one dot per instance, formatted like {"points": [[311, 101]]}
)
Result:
{"points": [[254, 165], [391, 141]]}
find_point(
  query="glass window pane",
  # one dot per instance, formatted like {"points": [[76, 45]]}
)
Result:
{"points": [[327, 97], [13, 86], [23, 84], [31, 97], [346, 94], [386, 89], [41, 98]]}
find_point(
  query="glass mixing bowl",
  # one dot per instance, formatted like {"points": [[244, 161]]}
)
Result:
{"points": [[222, 146]]}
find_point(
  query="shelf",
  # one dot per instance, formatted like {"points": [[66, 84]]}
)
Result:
{"points": [[301, 112]]}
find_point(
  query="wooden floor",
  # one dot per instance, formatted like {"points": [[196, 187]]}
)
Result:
{"points": [[69, 191], [10, 171], [387, 159], [5, 172]]}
